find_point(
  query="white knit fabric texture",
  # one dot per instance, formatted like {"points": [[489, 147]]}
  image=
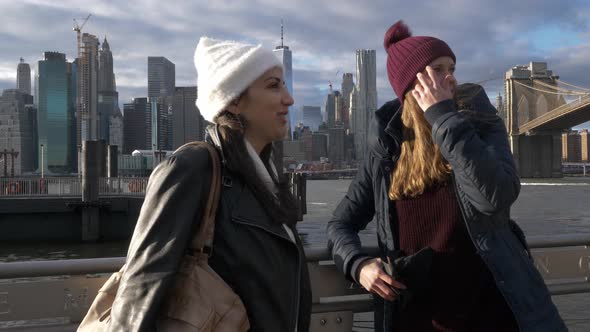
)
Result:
{"points": [[225, 69]]}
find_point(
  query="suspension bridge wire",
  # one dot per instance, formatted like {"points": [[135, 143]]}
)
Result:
{"points": [[574, 86], [553, 92], [557, 87]]}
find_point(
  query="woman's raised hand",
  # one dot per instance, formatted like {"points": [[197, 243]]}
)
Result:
{"points": [[433, 87]]}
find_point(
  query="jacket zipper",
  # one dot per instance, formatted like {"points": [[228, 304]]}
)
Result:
{"points": [[298, 279]]}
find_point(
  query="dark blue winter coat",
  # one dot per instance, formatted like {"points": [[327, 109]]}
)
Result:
{"points": [[486, 183]]}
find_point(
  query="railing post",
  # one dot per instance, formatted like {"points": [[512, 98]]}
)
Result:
{"points": [[304, 193], [297, 183], [91, 169]]}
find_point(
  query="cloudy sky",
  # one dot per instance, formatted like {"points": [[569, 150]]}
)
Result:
{"points": [[487, 36]]}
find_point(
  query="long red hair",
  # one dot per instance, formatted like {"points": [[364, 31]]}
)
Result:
{"points": [[420, 165]]}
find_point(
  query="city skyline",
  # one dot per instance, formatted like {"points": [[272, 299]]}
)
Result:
{"points": [[323, 45]]}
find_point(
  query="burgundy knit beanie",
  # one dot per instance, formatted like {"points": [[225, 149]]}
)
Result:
{"points": [[408, 55]]}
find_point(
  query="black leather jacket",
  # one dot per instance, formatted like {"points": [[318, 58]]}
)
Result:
{"points": [[254, 255]]}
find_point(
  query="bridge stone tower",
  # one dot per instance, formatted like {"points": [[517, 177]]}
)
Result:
{"points": [[537, 154]]}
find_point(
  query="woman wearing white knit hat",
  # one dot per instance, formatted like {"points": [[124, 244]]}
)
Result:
{"points": [[256, 249]]}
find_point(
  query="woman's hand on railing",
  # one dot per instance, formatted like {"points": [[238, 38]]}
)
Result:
{"points": [[375, 280]]}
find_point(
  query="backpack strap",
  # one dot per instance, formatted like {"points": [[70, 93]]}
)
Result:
{"points": [[202, 242]]}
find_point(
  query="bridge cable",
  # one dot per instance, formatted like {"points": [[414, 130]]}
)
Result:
{"points": [[575, 86], [556, 87], [552, 92]]}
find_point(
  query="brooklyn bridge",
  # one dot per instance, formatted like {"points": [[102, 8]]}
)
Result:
{"points": [[539, 107]]}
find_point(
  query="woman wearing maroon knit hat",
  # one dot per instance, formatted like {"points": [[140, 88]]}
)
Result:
{"points": [[439, 180]]}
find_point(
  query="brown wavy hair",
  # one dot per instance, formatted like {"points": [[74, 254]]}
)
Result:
{"points": [[420, 165], [281, 208]]}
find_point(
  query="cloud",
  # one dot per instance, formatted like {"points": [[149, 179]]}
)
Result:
{"points": [[487, 37], [8, 71]]}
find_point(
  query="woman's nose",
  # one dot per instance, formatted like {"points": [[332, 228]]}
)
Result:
{"points": [[288, 99], [452, 81]]}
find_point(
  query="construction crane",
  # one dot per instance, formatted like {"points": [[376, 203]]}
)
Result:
{"points": [[78, 28], [330, 81]]}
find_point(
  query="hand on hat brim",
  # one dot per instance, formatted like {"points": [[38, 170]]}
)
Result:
{"points": [[432, 88]]}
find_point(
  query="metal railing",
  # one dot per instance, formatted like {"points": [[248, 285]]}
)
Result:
{"points": [[122, 186], [66, 288], [70, 186], [574, 168]]}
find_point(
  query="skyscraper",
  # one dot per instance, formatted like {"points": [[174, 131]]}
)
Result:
{"points": [[187, 122], [334, 105], [18, 133], [331, 108], [88, 122], [108, 97], [55, 115], [339, 105], [106, 76], [161, 83], [366, 98], [357, 120], [571, 146], [160, 126], [136, 126], [312, 117], [306, 137], [284, 53], [23, 77], [353, 114], [336, 145], [116, 130], [74, 158], [347, 86], [319, 146], [161, 77]]}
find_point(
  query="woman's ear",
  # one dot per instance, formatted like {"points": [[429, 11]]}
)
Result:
{"points": [[232, 107]]}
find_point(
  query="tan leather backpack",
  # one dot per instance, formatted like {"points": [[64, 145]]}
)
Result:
{"points": [[199, 300]]}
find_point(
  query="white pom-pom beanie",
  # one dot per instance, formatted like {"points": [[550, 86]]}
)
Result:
{"points": [[225, 69]]}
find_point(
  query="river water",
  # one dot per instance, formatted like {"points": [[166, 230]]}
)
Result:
{"points": [[544, 207]]}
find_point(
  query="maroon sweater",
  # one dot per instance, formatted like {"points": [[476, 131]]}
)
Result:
{"points": [[464, 296]]}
